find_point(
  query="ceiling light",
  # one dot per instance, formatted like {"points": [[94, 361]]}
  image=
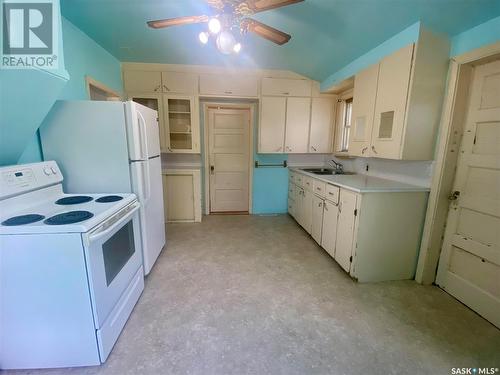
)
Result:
{"points": [[214, 25], [226, 42], [203, 37], [237, 48]]}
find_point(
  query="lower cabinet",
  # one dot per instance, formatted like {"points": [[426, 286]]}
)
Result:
{"points": [[182, 195], [374, 236], [317, 218], [329, 227]]}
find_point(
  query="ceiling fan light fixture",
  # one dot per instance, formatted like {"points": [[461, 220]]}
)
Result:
{"points": [[226, 42], [214, 26], [203, 36]]}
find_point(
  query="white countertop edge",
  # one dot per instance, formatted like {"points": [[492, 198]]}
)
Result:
{"points": [[398, 186]]}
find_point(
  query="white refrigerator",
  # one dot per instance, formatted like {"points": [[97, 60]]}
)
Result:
{"points": [[112, 148]]}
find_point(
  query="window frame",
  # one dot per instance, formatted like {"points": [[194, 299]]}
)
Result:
{"points": [[344, 99]]}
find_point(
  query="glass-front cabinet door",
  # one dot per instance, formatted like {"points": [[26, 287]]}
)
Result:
{"points": [[182, 124], [154, 101]]}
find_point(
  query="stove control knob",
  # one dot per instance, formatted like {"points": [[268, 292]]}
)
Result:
{"points": [[54, 171], [47, 171]]}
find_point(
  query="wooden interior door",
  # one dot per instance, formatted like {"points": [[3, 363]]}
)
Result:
{"points": [[469, 265], [229, 157]]}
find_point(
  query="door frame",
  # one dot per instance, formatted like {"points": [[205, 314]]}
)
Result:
{"points": [[451, 128], [234, 105]]}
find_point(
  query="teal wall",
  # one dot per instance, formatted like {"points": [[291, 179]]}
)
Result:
{"points": [[481, 35], [83, 57]]}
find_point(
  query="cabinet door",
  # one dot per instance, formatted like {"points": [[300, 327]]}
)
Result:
{"points": [[272, 124], [321, 135], [142, 81], [363, 110], [179, 83], [178, 195], [307, 201], [286, 87], [345, 229], [181, 124], [291, 199], [329, 232], [299, 204], [390, 107], [317, 219], [154, 101], [298, 111], [232, 85]]}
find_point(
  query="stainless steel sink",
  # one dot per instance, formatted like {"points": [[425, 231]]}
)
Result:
{"points": [[326, 171]]}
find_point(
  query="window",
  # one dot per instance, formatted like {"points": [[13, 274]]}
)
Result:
{"points": [[346, 124]]}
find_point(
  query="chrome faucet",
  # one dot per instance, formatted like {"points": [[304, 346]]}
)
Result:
{"points": [[339, 168]]}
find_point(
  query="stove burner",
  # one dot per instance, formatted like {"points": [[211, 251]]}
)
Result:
{"points": [[69, 218], [109, 199], [22, 220], [74, 200]]}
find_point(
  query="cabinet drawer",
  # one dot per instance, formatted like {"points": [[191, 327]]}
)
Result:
{"points": [[179, 83], [319, 188], [227, 85], [286, 87], [332, 193], [307, 182]]}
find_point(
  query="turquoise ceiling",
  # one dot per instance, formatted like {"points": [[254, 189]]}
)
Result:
{"points": [[326, 34]]}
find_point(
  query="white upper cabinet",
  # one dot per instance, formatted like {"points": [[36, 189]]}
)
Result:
{"points": [[286, 87], [272, 124], [390, 105], [363, 110], [229, 85], [321, 134], [409, 92], [142, 81], [179, 83], [298, 111]]}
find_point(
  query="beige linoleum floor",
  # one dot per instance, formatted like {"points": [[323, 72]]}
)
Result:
{"points": [[255, 295]]}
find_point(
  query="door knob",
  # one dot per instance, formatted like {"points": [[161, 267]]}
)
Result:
{"points": [[212, 169]]}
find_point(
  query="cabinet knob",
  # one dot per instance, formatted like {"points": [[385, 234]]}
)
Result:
{"points": [[364, 150], [313, 148], [228, 92], [374, 151], [165, 87], [286, 93], [157, 88], [278, 149]]}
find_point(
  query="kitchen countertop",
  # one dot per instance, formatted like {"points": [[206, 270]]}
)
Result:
{"points": [[362, 183]]}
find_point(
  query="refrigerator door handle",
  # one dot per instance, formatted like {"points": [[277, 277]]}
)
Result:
{"points": [[143, 135], [148, 183]]}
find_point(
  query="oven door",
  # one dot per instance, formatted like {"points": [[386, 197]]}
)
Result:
{"points": [[113, 253]]}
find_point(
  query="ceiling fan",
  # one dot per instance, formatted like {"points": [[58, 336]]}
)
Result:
{"points": [[232, 15]]}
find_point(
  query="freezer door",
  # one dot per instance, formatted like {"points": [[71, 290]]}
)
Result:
{"points": [[143, 131], [147, 184]]}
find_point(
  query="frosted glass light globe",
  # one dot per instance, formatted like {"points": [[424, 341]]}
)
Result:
{"points": [[203, 37], [214, 26], [225, 42]]}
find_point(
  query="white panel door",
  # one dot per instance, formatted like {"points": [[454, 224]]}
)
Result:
{"points": [[469, 267], [321, 135], [390, 107], [317, 218], [363, 110], [272, 124], [345, 229], [329, 232], [229, 155], [298, 117]]}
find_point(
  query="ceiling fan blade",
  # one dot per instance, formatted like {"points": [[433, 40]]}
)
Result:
{"points": [[265, 31], [159, 24], [263, 5]]}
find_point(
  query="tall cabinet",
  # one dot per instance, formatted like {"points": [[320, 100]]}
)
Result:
{"points": [[174, 96]]}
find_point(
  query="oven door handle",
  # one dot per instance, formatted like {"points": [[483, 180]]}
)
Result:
{"points": [[115, 221]]}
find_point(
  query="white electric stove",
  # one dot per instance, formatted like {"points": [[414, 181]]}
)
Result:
{"points": [[70, 269]]}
